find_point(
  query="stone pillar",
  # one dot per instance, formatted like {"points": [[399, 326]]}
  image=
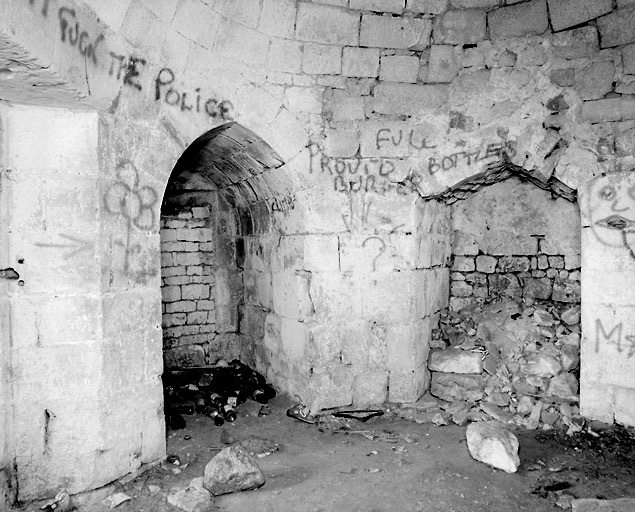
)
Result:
{"points": [[85, 362], [607, 380]]}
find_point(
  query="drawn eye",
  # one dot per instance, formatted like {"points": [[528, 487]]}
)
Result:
{"points": [[607, 193]]}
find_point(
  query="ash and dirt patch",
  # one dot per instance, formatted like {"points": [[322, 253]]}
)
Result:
{"points": [[386, 464]]}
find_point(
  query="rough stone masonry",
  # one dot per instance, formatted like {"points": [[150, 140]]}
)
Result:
{"points": [[324, 139]]}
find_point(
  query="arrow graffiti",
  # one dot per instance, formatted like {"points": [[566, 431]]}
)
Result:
{"points": [[76, 245]]}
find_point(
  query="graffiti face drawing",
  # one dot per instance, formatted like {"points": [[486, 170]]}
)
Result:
{"points": [[611, 203]]}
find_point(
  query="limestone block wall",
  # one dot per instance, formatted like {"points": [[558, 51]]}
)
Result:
{"points": [[608, 263], [202, 283], [187, 287], [515, 240]]}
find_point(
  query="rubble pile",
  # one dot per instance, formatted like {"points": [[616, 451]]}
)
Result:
{"points": [[508, 361], [215, 391]]}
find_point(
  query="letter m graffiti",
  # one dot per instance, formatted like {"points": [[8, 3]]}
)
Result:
{"points": [[602, 337]]}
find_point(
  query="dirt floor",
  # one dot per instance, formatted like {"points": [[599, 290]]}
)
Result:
{"points": [[385, 464]]}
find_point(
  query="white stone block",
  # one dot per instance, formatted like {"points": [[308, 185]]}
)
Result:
{"points": [[443, 65], [320, 59], [389, 32], [278, 18], [325, 24], [399, 68], [305, 99], [408, 99], [360, 62], [407, 386], [285, 56], [394, 6], [341, 142]]}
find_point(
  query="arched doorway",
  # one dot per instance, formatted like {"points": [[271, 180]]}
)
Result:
{"points": [[217, 208]]}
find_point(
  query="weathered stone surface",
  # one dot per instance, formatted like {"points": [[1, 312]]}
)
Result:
{"points": [[179, 357], [443, 65], [617, 28], [543, 317], [399, 68], [513, 264], [408, 99], [569, 357], [567, 13], [463, 264], [564, 385], [389, 32], [460, 27], [360, 62], [518, 20], [593, 505], [486, 264], [321, 59], [232, 469], [595, 81], [454, 360], [326, 24], [427, 6], [192, 499], [575, 43], [454, 386], [394, 6], [496, 412], [474, 4], [565, 290], [571, 316], [563, 77], [628, 59], [542, 365], [608, 109], [493, 444], [504, 285]]}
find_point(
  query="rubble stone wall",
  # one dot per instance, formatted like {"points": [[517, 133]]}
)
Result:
{"points": [[513, 240]]}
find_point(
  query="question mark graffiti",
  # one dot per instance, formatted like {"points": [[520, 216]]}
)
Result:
{"points": [[381, 249]]}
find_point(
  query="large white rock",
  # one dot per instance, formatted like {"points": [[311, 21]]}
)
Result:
{"points": [[493, 444], [232, 469]]}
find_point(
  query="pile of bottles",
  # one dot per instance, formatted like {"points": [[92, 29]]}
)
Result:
{"points": [[213, 391]]}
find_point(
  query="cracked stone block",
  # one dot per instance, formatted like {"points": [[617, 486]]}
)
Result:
{"points": [[454, 386], [453, 360]]}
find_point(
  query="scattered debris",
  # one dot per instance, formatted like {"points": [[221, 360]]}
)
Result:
{"points": [[302, 413], [114, 500], [60, 503], [232, 469], [363, 415], [491, 443], [214, 391]]}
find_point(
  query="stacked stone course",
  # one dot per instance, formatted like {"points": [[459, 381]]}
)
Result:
{"points": [[543, 277], [190, 277]]}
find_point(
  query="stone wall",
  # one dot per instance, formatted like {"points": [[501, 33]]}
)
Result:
{"points": [[513, 240], [371, 106], [202, 285]]}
